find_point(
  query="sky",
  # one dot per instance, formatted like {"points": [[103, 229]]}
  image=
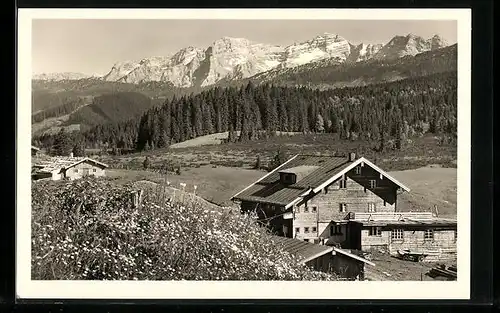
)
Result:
{"points": [[93, 46]]}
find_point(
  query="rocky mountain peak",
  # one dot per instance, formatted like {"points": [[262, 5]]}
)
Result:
{"points": [[230, 58]]}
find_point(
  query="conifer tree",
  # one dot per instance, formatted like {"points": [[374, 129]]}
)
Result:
{"points": [[62, 144]]}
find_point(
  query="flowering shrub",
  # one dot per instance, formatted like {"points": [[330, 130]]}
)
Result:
{"points": [[90, 229]]}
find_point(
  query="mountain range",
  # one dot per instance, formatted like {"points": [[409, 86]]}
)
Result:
{"points": [[231, 58]]}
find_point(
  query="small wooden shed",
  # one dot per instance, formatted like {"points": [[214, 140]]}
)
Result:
{"points": [[68, 168], [326, 259]]}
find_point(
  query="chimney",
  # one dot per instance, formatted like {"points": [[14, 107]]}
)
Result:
{"points": [[71, 154], [352, 156]]}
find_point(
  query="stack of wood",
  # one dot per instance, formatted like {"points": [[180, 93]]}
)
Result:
{"points": [[441, 270]]}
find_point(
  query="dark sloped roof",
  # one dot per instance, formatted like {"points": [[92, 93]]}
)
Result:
{"points": [[271, 190], [302, 250]]}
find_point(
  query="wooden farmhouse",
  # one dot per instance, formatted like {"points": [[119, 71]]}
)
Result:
{"points": [[345, 202], [326, 259], [57, 168]]}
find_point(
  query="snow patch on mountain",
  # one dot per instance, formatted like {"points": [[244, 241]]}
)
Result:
{"points": [[321, 47], [61, 76]]}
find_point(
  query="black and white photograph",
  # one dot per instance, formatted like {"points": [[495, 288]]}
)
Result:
{"points": [[247, 148]]}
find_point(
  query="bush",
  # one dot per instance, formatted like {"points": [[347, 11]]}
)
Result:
{"points": [[257, 165], [146, 163], [90, 229]]}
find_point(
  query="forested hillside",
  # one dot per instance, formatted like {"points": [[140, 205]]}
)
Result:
{"points": [[43, 99], [329, 73], [67, 107], [394, 110], [96, 87], [112, 107]]}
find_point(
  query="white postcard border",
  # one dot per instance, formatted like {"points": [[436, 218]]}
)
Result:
{"points": [[26, 288]]}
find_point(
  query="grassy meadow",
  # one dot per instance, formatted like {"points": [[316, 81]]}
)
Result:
{"points": [[219, 170]]}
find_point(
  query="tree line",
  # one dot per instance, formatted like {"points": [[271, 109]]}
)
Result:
{"points": [[380, 112]]}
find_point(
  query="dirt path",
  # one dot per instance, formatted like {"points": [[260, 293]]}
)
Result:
{"points": [[390, 268]]}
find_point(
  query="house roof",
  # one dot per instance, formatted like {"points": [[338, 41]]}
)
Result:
{"points": [[302, 250], [320, 172], [49, 165], [300, 171], [306, 251], [35, 148], [352, 255]]}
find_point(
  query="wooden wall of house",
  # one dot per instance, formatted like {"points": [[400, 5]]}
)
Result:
{"points": [[356, 197], [308, 219], [339, 264], [318, 210], [76, 171], [347, 267], [353, 237], [278, 225], [323, 263], [441, 248]]}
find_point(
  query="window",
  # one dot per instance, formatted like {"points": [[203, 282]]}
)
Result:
{"points": [[338, 229], [326, 190], [288, 178], [373, 183], [375, 231], [94, 170], [343, 183], [297, 230], [358, 170], [306, 229], [343, 207], [335, 230], [313, 229], [397, 234], [429, 234], [306, 240], [371, 207], [314, 209], [76, 170], [306, 209]]}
